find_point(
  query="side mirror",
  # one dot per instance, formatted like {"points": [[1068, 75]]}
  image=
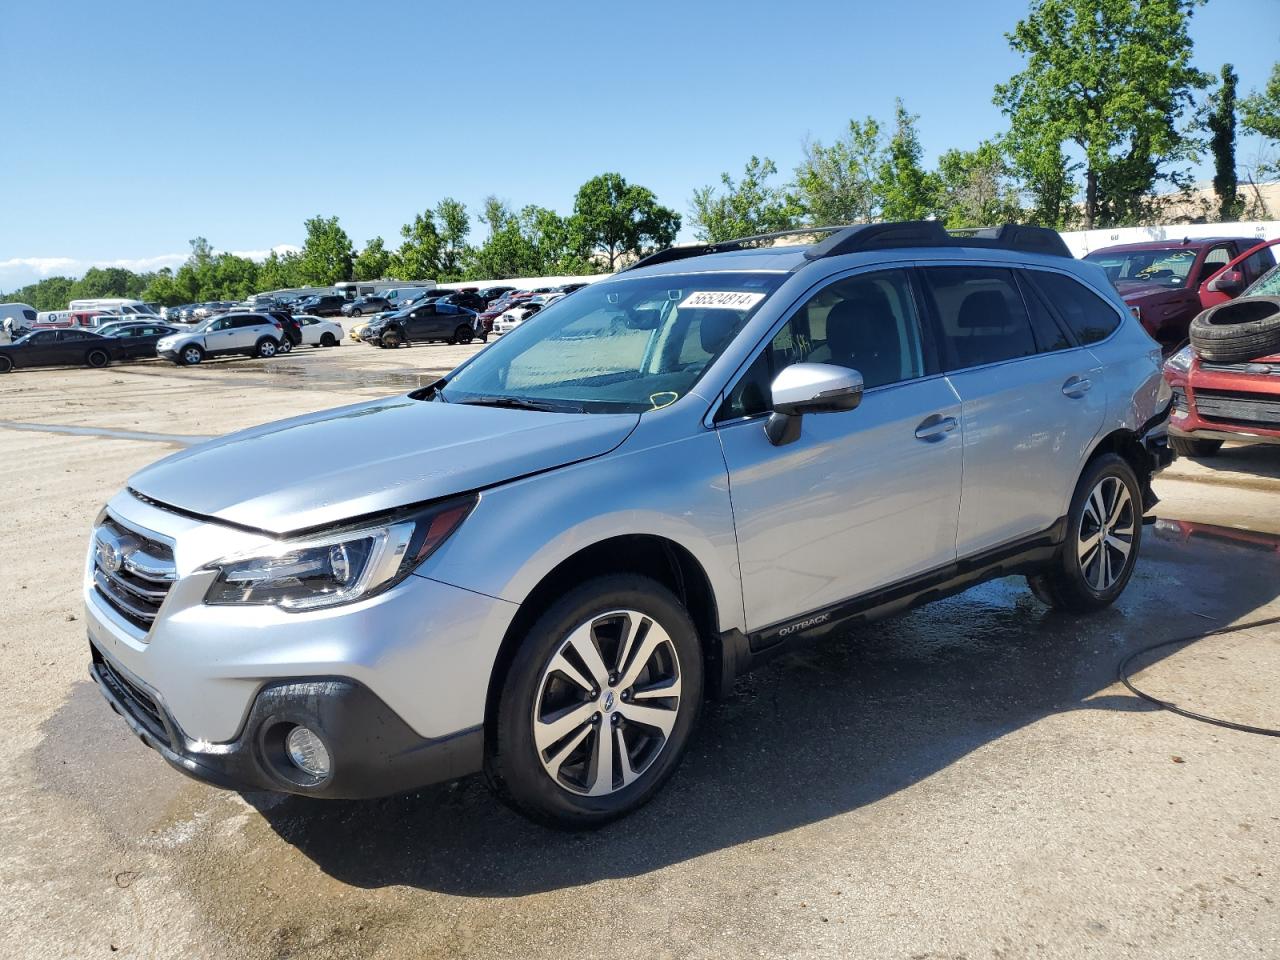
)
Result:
{"points": [[1230, 282], [809, 388]]}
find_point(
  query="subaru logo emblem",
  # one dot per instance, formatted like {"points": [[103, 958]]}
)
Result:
{"points": [[608, 700]]}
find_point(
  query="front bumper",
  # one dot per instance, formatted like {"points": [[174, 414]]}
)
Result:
{"points": [[373, 752]]}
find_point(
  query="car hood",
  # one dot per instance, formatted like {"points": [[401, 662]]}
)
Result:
{"points": [[1134, 292], [338, 464]]}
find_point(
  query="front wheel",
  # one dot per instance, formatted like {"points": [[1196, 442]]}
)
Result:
{"points": [[286, 345], [598, 704], [390, 340], [1186, 447], [356, 312], [191, 355], [1104, 532]]}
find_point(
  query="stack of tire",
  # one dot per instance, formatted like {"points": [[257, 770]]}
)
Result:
{"points": [[1238, 331]]}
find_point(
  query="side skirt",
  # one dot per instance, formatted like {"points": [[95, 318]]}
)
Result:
{"points": [[1022, 556]]}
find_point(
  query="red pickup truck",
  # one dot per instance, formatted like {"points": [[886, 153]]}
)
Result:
{"points": [[1167, 282]]}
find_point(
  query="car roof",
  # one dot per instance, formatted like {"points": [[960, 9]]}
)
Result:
{"points": [[1184, 243]]}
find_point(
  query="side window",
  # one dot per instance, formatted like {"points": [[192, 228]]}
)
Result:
{"points": [[72, 335], [239, 323], [1049, 334], [982, 314], [1257, 264], [1089, 316], [867, 323], [1215, 260]]}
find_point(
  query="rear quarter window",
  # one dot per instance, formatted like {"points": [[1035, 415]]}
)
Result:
{"points": [[1090, 317]]}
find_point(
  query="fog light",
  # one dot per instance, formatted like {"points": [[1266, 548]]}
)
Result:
{"points": [[307, 751]]}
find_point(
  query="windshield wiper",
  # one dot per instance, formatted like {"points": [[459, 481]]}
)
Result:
{"points": [[522, 403]]}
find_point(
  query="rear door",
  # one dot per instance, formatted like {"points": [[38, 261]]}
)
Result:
{"points": [[1033, 401]]}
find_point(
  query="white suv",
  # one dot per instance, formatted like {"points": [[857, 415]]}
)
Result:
{"points": [[251, 334]]}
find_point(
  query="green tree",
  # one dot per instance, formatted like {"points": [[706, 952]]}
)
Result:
{"points": [[1261, 109], [621, 220], [976, 188], [280, 271], [419, 254], [454, 229], [745, 208], [907, 190], [556, 244], [841, 183], [372, 262], [1111, 77], [162, 289], [51, 293], [326, 253], [1222, 127]]}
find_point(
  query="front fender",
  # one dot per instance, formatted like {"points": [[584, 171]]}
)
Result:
{"points": [[522, 530]]}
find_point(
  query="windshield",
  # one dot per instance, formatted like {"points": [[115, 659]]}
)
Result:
{"points": [[628, 345], [1168, 268], [1267, 285]]}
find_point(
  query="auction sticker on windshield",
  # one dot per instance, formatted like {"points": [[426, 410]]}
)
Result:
{"points": [[721, 300]]}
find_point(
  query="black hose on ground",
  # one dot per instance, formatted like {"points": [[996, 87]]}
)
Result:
{"points": [[1123, 675]]}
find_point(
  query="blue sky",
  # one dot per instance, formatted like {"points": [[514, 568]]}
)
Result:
{"points": [[133, 127]]}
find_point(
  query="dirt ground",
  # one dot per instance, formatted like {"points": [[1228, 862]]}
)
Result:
{"points": [[966, 781]]}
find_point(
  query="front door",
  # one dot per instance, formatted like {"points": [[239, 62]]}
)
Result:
{"points": [[864, 498]]}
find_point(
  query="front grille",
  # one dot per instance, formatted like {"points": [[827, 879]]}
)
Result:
{"points": [[132, 697], [131, 572], [1253, 369], [1240, 408], [1179, 400]]}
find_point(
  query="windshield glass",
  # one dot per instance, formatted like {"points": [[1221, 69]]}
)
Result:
{"points": [[627, 345], [1267, 285], [1168, 268]]}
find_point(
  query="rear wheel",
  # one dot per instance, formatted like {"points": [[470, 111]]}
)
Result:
{"points": [[1187, 447], [266, 348], [1104, 532], [598, 704], [328, 340], [463, 334], [5, 364], [191, 355], [97, 358], [286, 345]]}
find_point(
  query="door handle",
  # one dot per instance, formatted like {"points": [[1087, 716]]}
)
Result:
{"points": [[935, 428], [1076, 387]]}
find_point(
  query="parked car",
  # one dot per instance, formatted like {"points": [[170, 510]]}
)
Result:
{"points": [[268, 615], [1226, 383], [367, 304], [137, 341], [464, 298], [290, 325], [1161, 280], [327, 305], [357, 330], [516, 315], [570, 287], [490, 294], [58, 348], [425, 323], [319, 332], [251, 334]]}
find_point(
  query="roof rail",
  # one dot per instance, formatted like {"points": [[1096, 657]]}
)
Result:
{"points": [[724, 246], [931, 233]]}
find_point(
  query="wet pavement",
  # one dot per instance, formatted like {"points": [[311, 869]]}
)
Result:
{"points": [[968, 780]]}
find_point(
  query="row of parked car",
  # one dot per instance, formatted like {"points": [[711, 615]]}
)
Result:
{"points": [[456, 316], [253, 334]]}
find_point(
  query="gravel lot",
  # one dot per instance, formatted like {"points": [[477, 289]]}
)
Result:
{"points": [[967, 781]]}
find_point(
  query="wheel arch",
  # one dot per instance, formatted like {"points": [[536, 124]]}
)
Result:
{"points": [[660, 558], [1126, 444]]}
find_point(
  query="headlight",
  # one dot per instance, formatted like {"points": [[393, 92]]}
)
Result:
{"points": [[1181, 361], [340, 567]]}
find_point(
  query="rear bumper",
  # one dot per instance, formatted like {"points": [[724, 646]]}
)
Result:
{"points": [[373, 751]]}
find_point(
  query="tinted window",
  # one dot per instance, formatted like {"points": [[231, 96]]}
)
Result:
{"points": [[247, 321], [30, 315], [982, 315], [44, 336], [1257, 264], [1049, 335], [73, 335], [1089, 316], [867, 323]]}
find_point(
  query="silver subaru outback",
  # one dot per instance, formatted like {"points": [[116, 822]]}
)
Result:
{"points": [[540, 565]]}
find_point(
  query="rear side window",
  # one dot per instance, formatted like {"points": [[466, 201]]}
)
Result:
{"points": [[981, 313], [1089, 316]]}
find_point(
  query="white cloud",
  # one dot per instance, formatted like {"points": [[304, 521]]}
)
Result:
{"points": [[19, 271]]}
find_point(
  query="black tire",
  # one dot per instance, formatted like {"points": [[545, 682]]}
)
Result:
{"points": [[328, 340], [97, 358], [390, 340], [1187, 447], [286, 346], [512, 762], [463, 334], [1066, 583], [6, 364], [1238, 331], [356, 312], [190, 355], [266, 348]]}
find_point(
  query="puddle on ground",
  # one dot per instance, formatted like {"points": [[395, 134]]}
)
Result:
{"points": [[178, 439]]}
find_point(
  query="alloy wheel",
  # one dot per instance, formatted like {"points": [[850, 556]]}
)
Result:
{"points": [[1106, 533], [607, 702]]}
